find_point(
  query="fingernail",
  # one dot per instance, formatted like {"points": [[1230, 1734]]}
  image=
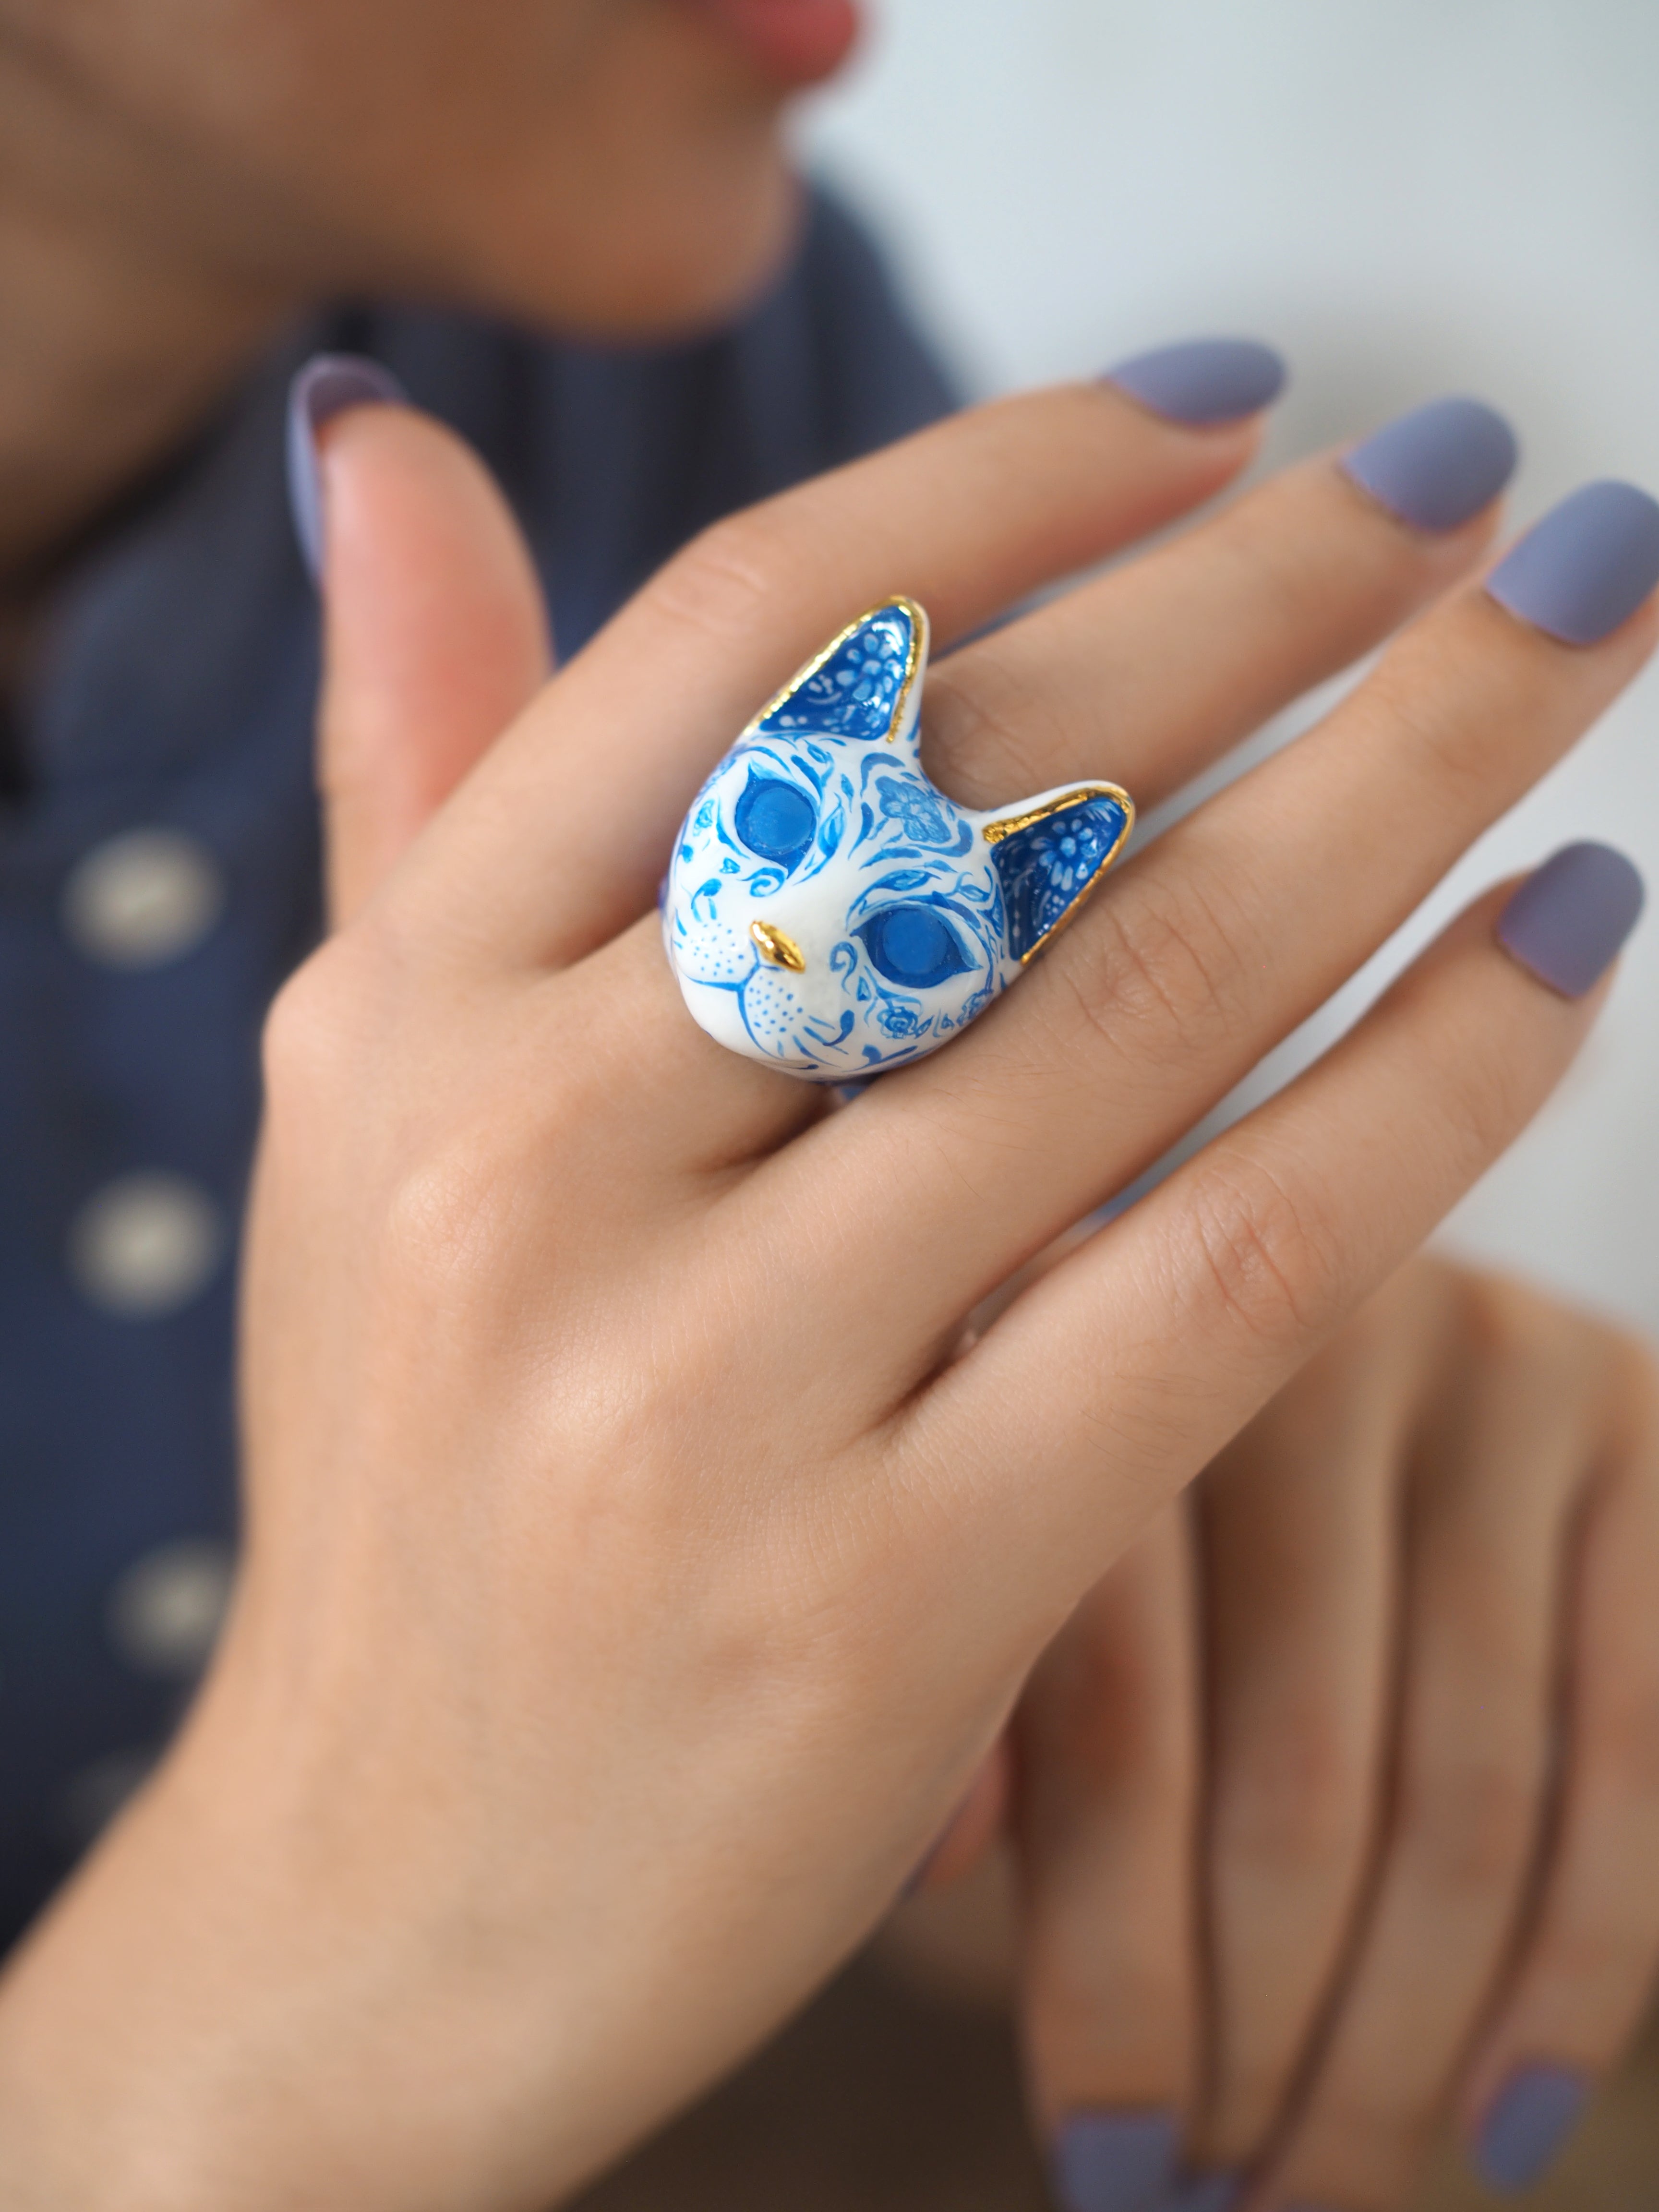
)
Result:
{"points": [[1586, 566], [1534, 2115], [1203, 381], [1113, 2161], [1203, 2193], [1436, 467], [327, 385], [1567, 922]]}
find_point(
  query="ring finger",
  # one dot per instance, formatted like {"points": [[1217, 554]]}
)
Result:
{"points": [[1499, 1469]]}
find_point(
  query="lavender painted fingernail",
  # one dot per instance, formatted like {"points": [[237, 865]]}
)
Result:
{"points": [[1528, 2125], [327, 385], [1113, 2161], [1203, 381], [1586, 567], [1568, 920], [1436, 467], [1203, 2193]]}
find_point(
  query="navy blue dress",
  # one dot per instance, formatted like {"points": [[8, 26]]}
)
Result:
{"points": [[159, 876]]}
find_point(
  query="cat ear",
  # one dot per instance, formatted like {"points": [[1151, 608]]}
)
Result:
{"points": [[1051, 852], [864, 684]]}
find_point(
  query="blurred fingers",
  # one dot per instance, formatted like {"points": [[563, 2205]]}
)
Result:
{"points": [[1590, 1965], [1299, 1519], [1109, 1764], [1499, 1464]]}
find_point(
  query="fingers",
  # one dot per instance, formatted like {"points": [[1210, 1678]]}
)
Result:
{"points": [[570, 837], [436, 635], [1108, 1766], [1154, 671], [1198, 956], [1587, 1968], [1490, 1502], [1157, 1340], [1300, 1547]]}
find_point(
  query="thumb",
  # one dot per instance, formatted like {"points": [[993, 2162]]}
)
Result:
{"points": [[435, 631]]}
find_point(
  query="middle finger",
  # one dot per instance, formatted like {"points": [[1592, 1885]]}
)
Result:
{"points": [[1215, 943]]}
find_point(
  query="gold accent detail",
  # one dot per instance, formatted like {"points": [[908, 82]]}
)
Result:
{"points": [[994, 832], [918, 629], [777, 950]]}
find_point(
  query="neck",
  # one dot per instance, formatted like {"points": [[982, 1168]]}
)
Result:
{"points": [[115, 339]]}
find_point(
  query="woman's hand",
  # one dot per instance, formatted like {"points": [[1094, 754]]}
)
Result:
{"points": [[630, 1586], [1337, 1799]]}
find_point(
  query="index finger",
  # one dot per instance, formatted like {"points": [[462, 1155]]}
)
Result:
{"points": [[570, 823]]}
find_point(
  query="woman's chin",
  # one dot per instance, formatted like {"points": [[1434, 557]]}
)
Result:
{"points": [[674, 280]]}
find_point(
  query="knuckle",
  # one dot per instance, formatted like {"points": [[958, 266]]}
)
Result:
{"points": [[728, 577], [1301, 1801], [1363, 2146], [308, 1027], [439, 1211], [1624, 1742], [337, 1008], [1263, 1257], [1160, 974], [1471, 1823], [1516, 1332], [1591, 1966], [1427, 713]]}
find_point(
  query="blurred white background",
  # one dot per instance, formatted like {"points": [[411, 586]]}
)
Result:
{"points": [[1408, 197]]}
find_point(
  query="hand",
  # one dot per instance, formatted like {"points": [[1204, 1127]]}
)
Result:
{"points": [[1370, 1845], [628, 1593]]}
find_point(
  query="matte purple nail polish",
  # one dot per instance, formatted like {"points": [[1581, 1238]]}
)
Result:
{"points": [[1113, 2161], [1436, 467], [1203, 381], [1586, 567], [1567, 922], [1204, 2193], [327, 385], [1528, 2125]]}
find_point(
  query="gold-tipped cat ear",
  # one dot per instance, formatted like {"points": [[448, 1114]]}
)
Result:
{"points": [[863, 684], [1050, 853]]}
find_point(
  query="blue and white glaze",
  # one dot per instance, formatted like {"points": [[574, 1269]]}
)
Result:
{"points": [[831, 913]]}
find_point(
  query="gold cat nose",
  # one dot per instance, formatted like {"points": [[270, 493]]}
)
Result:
{"points": [[777, 950]]}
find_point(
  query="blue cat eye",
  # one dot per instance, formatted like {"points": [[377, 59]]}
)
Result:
{"points": [[913, 946], [776, 819]]}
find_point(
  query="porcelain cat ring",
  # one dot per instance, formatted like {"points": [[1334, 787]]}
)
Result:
{"points": [[828, 910]]}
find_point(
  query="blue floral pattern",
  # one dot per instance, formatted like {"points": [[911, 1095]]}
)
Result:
{"points": [[1047, 868], [801, 943]]}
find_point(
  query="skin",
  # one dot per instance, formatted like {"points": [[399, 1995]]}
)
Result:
{"points": [[612, 169], [533, 1584], [178, 180], [1329, 1808]]}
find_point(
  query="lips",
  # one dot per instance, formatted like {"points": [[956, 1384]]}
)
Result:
{"points": [[795, 42]]}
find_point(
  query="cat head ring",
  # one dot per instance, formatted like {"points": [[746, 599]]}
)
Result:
{"points": [[828, 910]]}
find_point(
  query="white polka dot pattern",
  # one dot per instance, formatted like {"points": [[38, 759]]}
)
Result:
{"points": [[165, 1612], [145, 1244], [144, 897]]}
